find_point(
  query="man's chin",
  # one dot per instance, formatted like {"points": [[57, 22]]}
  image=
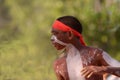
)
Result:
{"points": [[58, 48]]}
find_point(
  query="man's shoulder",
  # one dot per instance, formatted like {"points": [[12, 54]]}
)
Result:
{"points": [[94, 51], [59, 61], [91, 48]]}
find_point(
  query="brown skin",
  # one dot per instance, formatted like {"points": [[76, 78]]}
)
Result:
{"points": [[59, 35], [97, 67]]}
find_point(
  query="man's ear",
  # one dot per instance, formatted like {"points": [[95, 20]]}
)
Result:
{"points": [[70, 35]]}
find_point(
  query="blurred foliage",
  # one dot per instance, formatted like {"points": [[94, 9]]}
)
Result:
{"points": [[25, 49]]}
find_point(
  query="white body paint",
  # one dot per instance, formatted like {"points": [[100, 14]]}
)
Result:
{"points": [[112, 77], [110, 60], [74, 63]]}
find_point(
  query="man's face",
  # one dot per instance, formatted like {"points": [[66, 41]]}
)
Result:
{"points": [[60, 35]]}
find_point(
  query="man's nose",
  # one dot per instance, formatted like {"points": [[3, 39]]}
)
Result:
{"points": [[52, 38]]}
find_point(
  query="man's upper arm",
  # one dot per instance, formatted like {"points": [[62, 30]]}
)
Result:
{"points": [[56, 69], [109, 60], [105, 59], [113, 65]]}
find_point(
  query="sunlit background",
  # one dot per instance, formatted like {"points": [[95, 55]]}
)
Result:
{"points": [[25, 49]]}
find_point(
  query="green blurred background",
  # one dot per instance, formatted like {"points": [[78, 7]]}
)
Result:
{"points": [[25, 49]]}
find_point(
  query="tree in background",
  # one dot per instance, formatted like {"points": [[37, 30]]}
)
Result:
{"points": [[25, 48]]}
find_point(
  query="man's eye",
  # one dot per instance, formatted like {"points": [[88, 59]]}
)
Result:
{"points": [[56, 33], [65, 32]]}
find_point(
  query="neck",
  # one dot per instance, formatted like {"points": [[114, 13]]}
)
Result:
{"points": [[77, 44]]}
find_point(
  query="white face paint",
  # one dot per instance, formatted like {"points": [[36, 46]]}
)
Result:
{"points": [[74, 63], [54, 38]]}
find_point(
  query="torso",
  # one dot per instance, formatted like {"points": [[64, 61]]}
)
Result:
{"points": [[88, 56], [61, 68]]}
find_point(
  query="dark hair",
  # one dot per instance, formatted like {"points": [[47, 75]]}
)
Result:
{"points": [[72, 22]]}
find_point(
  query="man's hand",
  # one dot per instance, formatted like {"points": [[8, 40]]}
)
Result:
{"points": [[90, 70]]}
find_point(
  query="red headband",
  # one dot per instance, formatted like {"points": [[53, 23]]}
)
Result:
{"points": [[60, 26]]}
